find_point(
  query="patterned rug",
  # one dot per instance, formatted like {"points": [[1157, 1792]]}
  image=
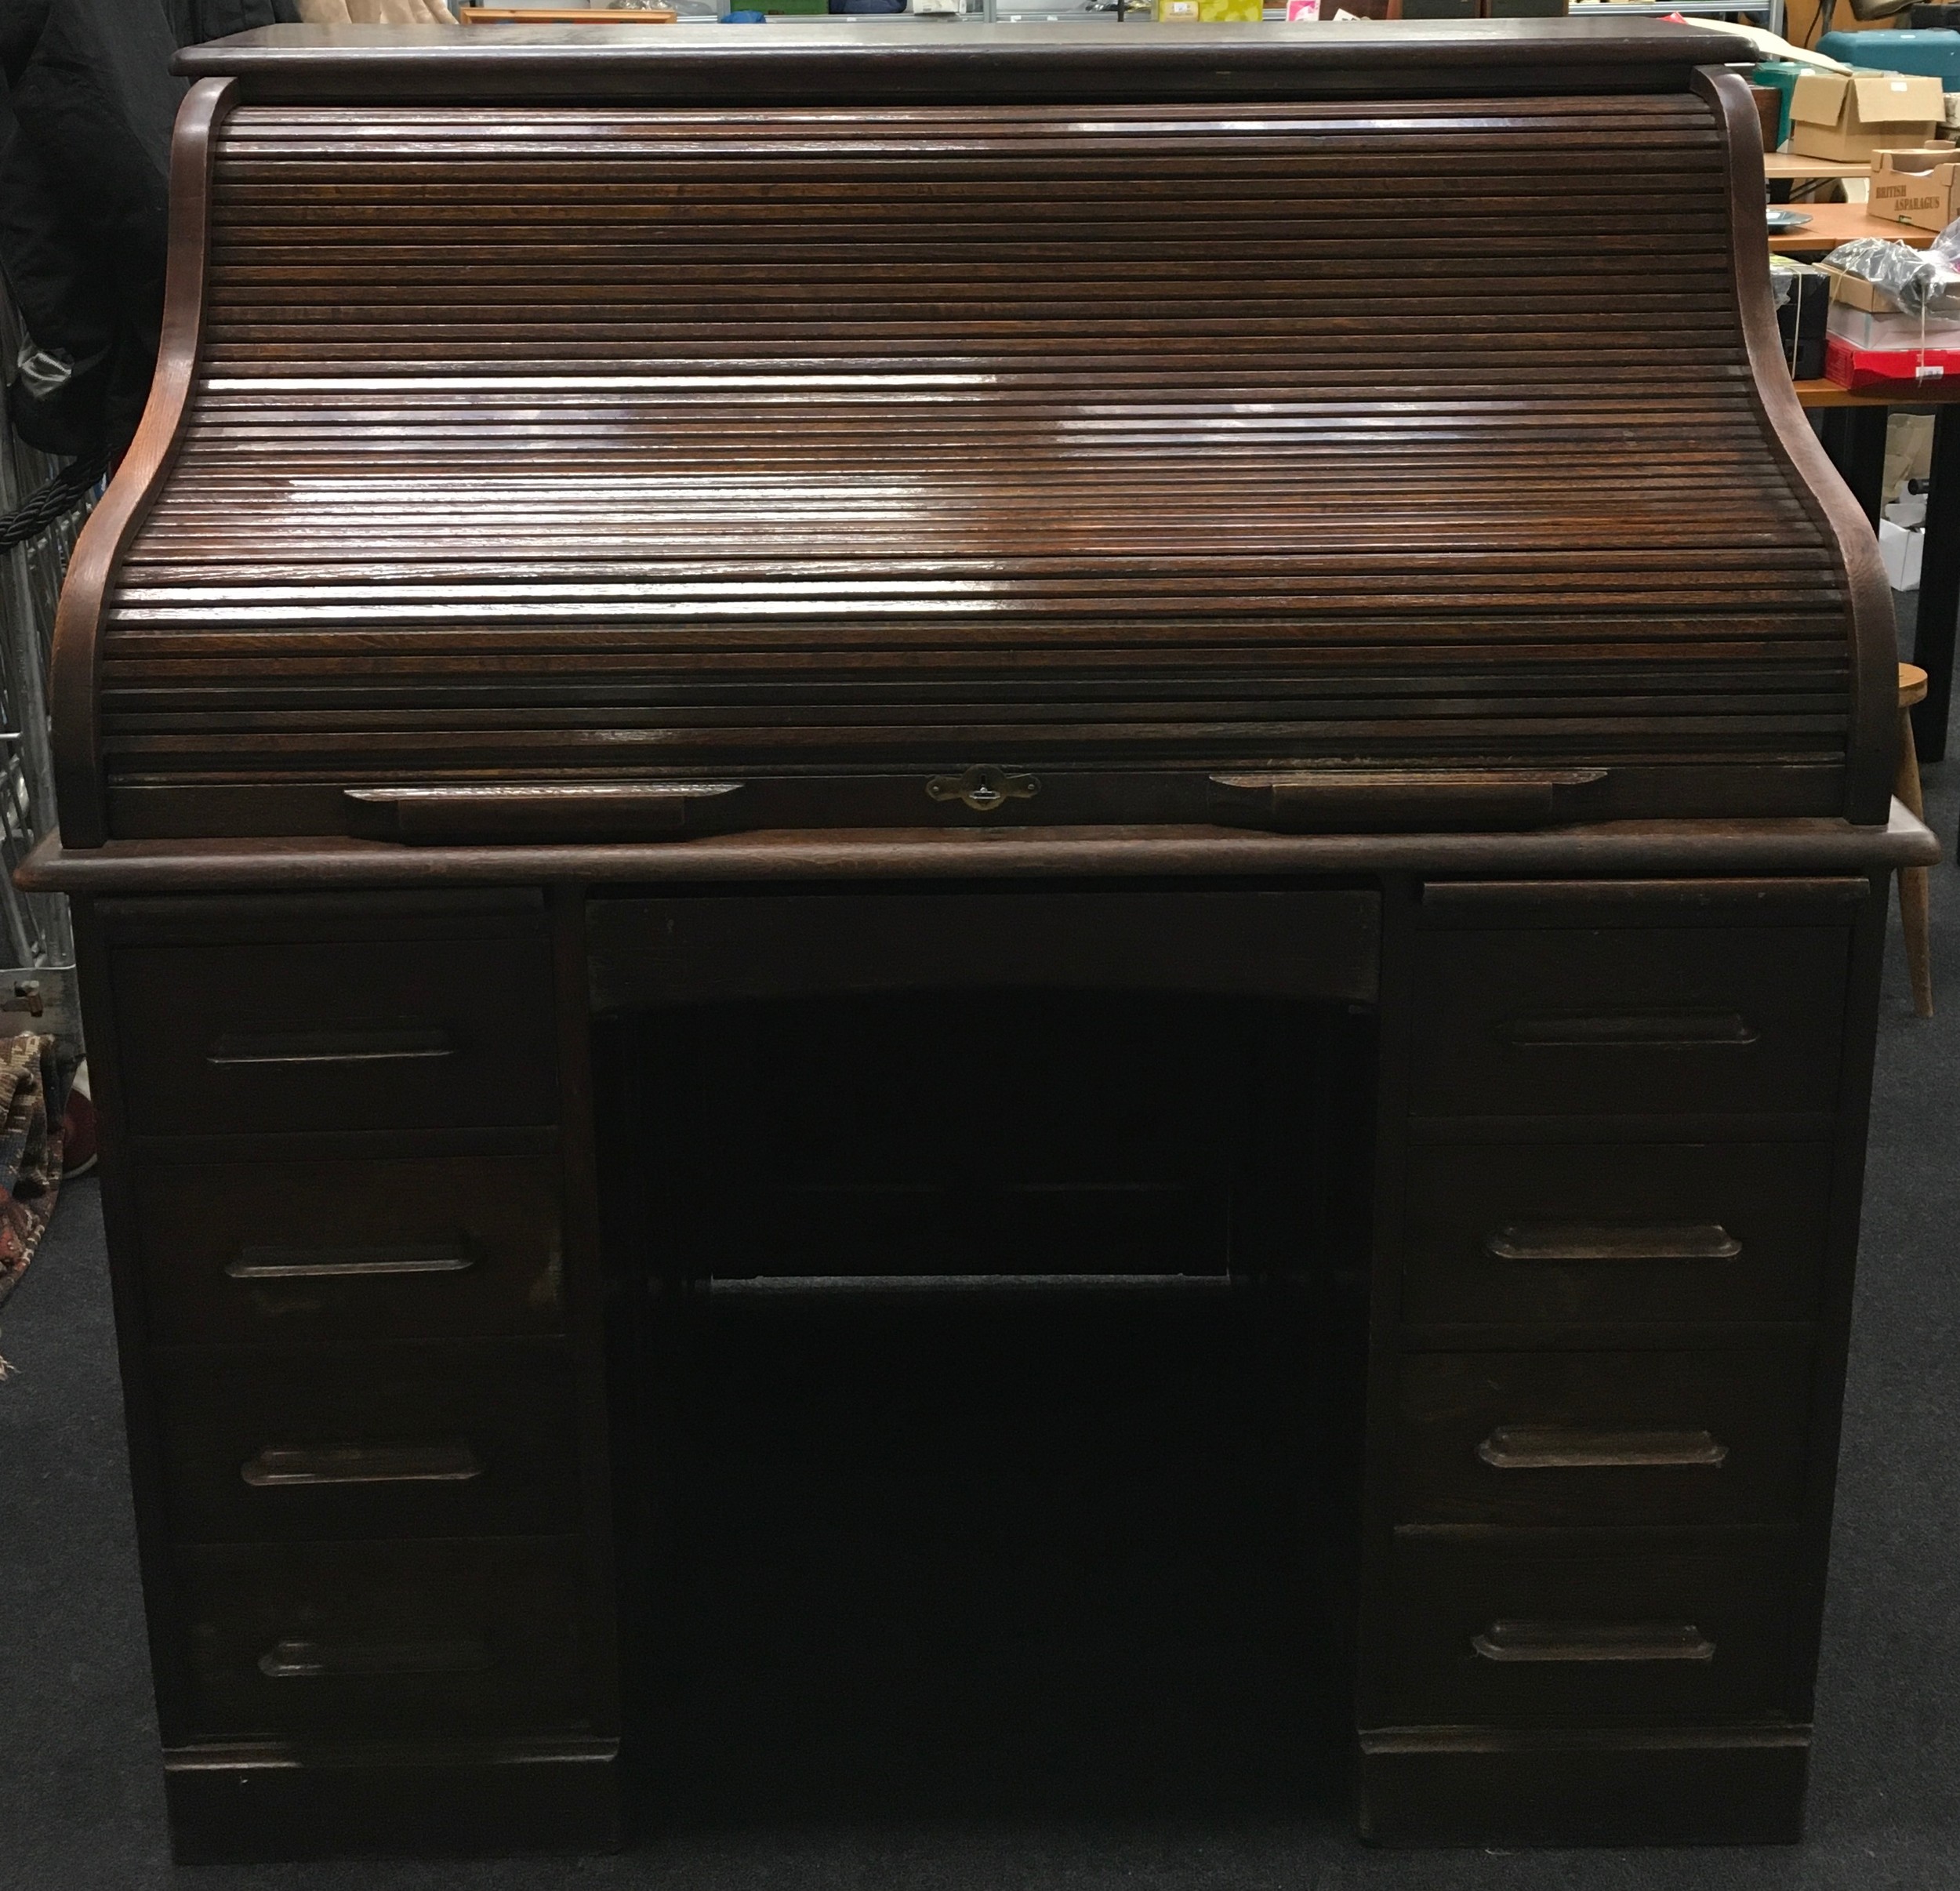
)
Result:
{"points": [[29, 1151]]}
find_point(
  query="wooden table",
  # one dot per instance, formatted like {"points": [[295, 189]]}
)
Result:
{"points": [[1832, 224], [1854, 436], [1786, 167]]}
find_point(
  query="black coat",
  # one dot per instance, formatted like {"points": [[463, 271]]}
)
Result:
{"points": [[85, 112]]}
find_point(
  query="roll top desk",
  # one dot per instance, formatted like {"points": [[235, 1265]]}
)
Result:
{"points": [[681, 592]]}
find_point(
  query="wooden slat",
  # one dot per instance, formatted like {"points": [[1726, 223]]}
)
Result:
{"points": [[553, 438]]}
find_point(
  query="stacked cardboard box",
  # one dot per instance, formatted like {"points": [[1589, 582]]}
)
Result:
{"points": [[1856, 114], [1917, 188], [1872, 345]]}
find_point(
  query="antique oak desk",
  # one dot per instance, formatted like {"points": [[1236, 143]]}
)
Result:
{"points": [[755, 666]]}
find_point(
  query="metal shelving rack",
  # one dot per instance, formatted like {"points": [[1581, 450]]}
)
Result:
{"points": [[1770, 11], [36, 950]]}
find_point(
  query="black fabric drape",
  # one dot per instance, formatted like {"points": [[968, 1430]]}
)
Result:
{"points": [[85, 141]]}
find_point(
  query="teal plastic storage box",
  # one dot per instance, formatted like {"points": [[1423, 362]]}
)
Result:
{"points": [[1782, 74], [1936, 53]]}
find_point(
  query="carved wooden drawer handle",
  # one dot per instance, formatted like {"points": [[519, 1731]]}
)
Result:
{"points": [[279, 1467], [1549, 1447], [1726, 1029], [1556, 1242], [1593, 1641], [1325, 800], [515, 810], [308, 1661], [410, 1045], [347, 1263]]}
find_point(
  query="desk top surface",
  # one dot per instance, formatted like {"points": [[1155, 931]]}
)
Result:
{"points": [[1639, 847], [841, 62]]}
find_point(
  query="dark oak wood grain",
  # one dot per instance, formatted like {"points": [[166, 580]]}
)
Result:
{"points": [[733, 671], [1620, 847], [869, 62], [518, 465], [1874, 686], [74, 682]]}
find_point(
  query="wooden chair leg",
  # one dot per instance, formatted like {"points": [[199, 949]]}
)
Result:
{"points": [[1913, 893]]}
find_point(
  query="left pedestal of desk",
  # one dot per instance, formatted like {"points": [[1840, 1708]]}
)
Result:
{"points": [[347, 1184]]}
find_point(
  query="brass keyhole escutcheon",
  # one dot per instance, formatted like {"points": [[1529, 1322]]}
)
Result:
{"points": [[984, 787]]}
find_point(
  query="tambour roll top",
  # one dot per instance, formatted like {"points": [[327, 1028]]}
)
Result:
{"points": [[628, 434]]}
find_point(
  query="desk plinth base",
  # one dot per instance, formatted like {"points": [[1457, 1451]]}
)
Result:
{"points": [[1465, 1786], [260, 1802]]}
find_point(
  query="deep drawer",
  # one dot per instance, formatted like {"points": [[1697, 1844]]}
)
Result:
{"points": [[421, 1440], [382, 1639], [1615, 1232], [407, 1034], [1493, 1633], [1602, 1438], [1632, 1021], [445, 1246]]}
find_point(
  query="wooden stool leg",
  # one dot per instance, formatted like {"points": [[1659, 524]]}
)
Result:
{"points": [[1913, 908]]}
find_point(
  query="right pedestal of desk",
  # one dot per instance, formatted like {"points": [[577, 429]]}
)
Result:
{"points": [[1621, 1148]]}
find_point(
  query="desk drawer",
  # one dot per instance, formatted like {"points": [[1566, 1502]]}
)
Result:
{"points": [[416, 1440], [347, 1036], [441, 1247], [1615, 1232], [1492, 1633], [354, 1639], [1602, 1438], [1632, 1021]]}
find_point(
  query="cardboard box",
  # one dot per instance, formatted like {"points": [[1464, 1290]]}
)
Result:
{"points": [[1918, 188], [1903, 552], [1866, 329], [1855, 292], [1853, 115], [1894, 369]]}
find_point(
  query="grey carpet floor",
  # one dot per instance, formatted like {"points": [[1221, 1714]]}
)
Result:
{"points": [[81, 1801]]}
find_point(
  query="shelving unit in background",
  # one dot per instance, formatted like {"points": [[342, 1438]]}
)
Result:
{"points": [[37, 949], [1770, 11]]}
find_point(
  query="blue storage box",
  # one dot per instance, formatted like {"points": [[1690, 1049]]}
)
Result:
{"points": [[1936, 54], [1780, 75]]}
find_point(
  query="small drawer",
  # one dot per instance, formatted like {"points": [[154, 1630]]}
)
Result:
{"points": [[406, 1034], [1636, 1020], [1615, 1232], [443, 1247], [382, 1639], [1602, 1438], [1490, 1633], [414, 1440]]}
